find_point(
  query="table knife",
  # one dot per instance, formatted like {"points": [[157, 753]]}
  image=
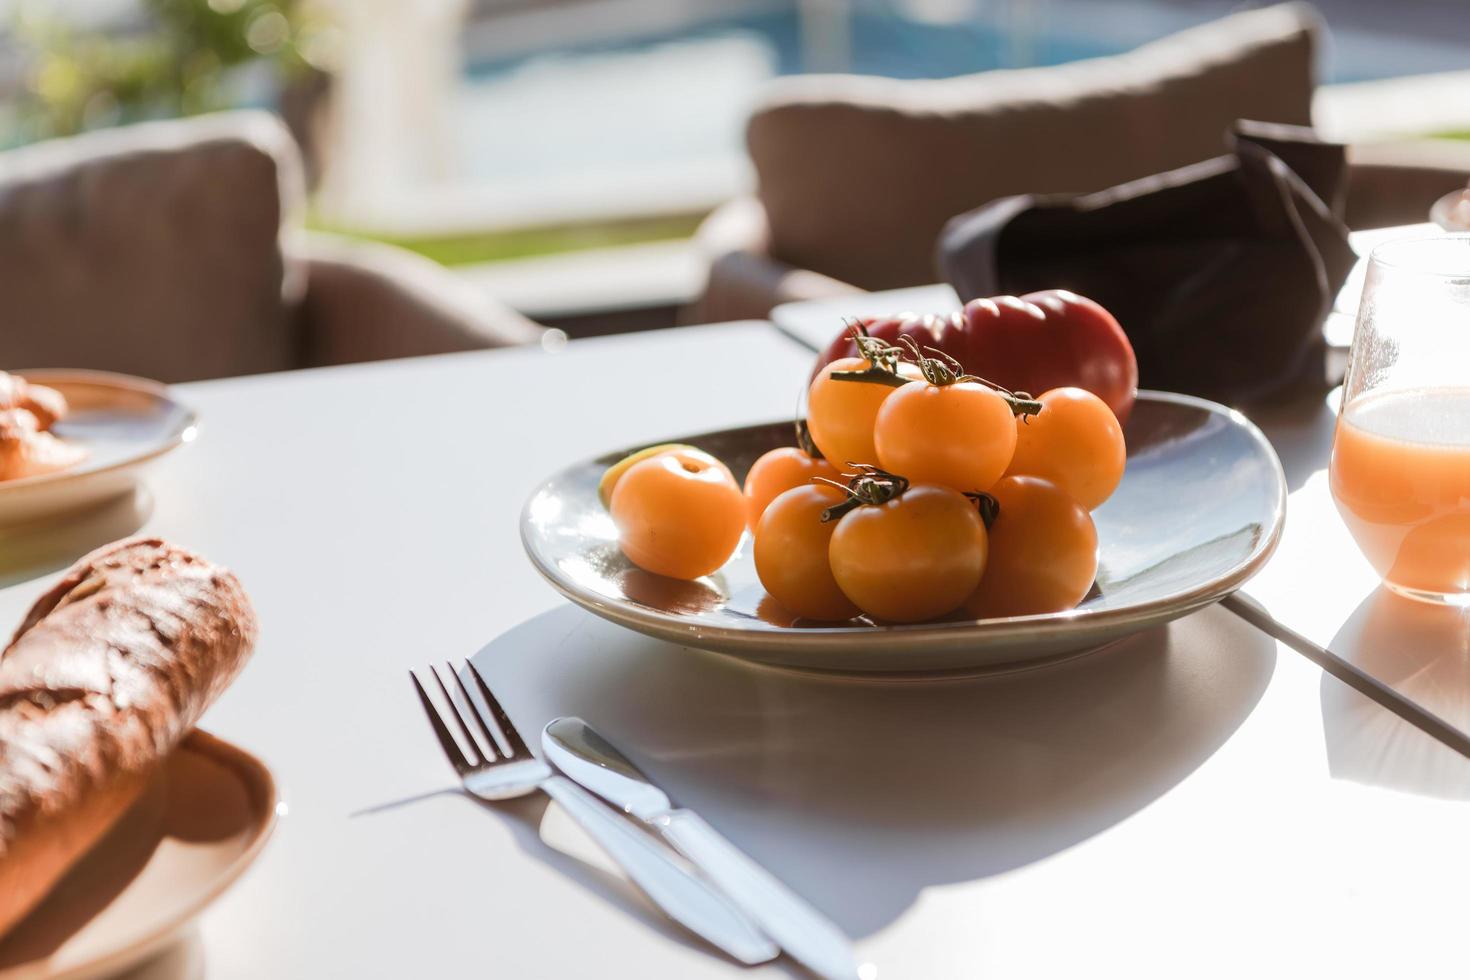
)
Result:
{"points": [[809, 937]]}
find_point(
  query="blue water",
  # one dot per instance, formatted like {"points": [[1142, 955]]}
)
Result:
{"points": [[885, 42], [881, 44], [673, 103]]}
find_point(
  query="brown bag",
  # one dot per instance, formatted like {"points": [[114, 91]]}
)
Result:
{"points": [[1221, 272]]}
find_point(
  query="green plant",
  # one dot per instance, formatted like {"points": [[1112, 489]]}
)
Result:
{"points": [[182, 60], [494, 246]]}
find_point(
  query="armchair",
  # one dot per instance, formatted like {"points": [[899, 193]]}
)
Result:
{"points": [[174, 250], [856, 176]]}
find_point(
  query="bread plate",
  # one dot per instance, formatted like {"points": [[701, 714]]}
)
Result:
{"points": [[201, 822], [123, 422], [1200, 510]]}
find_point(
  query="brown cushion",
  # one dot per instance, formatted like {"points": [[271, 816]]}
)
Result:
{"points": [[1397, 183], [367, 301], [153, 249], [858, 175]]}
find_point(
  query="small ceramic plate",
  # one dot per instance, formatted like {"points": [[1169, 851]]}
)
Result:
{"points": [[200, 823], [1198, 512], [123, 422]]}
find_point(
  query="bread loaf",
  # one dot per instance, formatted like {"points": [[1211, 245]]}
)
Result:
{"points": [[109, 670], [47, 405], [25, 450]]}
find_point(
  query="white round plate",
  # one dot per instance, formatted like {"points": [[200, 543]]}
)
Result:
{"points": [[202, 821], [1199, 510], [123, 422]]}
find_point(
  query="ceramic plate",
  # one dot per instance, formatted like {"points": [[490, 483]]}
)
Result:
{"points": [[123, 422], [195, 829], [1198, 512]]}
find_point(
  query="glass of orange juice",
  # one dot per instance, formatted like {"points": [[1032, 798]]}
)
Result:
{"points": [[1400, 468]]}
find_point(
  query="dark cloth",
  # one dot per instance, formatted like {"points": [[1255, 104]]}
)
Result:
{"points": [[1221, 272]]}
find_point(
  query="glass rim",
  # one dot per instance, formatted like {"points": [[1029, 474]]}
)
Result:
{"points": [[1383, 255]]}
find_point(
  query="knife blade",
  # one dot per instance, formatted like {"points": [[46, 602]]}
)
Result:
{"points": [[808, 936]]}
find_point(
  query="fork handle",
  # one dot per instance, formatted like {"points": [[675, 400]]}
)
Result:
{"points": [[684, 896]]}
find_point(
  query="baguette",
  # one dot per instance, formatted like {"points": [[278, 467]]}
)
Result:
{"points": [[107, 673]]}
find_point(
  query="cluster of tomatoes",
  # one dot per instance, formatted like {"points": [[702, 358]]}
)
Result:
{"points": [[952, 494]]}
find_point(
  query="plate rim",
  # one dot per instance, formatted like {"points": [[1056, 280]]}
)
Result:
{"points": [[257, 776], [665, 625], [187, 432]]}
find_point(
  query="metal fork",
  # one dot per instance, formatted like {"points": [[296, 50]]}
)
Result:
{"points": [[684, 896]]}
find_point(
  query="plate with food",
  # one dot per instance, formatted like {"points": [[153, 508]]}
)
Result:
{"points": [[119, 820], [200, 823], [968, 527], [69, 439]]}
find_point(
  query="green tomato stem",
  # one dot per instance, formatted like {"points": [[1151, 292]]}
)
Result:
{"points": [[872, 375]]}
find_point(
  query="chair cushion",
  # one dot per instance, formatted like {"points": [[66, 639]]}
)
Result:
{"points": [[858, 175], [152, 249]]}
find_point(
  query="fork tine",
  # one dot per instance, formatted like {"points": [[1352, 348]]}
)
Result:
{"points": [[490, 741], [446, 741], [507, 728], [464, 728]]}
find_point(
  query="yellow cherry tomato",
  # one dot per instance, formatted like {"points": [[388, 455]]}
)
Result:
{"points": [[1075, 441], [791, 543], [1043, 552], [915, 557], [778, 471], [614, 473], [840, 413], [957, 435], [679, 513]]}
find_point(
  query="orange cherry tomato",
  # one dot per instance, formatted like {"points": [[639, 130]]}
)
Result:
{"points": [[791, 543], [778, 471], [679, 513], [840, 414], [957, 435], [1075, 441], [614, 473], [1043, 551], [915, 557]]}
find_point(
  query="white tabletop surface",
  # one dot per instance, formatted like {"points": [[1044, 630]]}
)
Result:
{"points": [[1199, 801]]}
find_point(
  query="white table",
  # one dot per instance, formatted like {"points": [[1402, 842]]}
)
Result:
{"points": [[1199, 801]]}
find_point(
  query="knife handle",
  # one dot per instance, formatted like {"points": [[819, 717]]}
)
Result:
{"points": [[683, 896], [803, 932]]}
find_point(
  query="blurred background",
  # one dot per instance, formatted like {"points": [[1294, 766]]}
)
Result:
{"points": [[560, 154]]}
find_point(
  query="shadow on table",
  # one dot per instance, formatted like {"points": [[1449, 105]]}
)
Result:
{"points": [[1422, 651], [863, 793], [183, 959], [34, 550], [1301, 433]]}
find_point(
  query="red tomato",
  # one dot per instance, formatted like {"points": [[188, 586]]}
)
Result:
{"points": [[1040, 341]]}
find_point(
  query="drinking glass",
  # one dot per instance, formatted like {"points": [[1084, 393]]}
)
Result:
{"points": [[1400, 470]]}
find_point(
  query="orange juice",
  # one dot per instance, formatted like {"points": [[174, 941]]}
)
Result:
{"points": [[1401, 478]]}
